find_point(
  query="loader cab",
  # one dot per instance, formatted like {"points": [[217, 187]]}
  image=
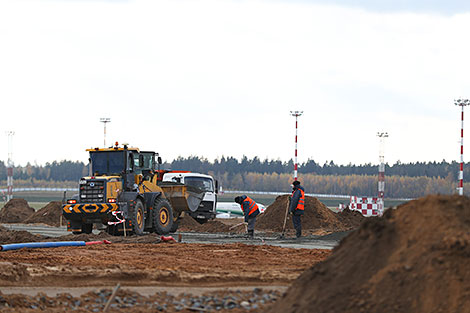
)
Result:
{"points": [[143, 162], [107, 163]]}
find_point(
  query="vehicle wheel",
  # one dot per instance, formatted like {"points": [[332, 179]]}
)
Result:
{"points": [[112, 230], [162, 216], [76, 232], [87, 228], [174, 228], [136, 215]]}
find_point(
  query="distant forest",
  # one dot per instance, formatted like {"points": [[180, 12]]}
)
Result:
{"points": [[403, 180]]}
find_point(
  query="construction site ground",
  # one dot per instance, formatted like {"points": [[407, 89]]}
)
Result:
{"points": [[202, 263], [213, 268]]}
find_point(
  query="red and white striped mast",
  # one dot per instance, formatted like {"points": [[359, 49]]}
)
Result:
{"points": [[296, 114], [10, 166], [381, 185], [462, 103]]}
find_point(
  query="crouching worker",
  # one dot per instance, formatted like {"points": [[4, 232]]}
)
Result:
{"points": [[250, 211]]}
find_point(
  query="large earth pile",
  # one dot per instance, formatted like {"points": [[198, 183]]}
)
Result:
{"points": [[316, 217], [15, 211], [50, 214], [414, 259]]}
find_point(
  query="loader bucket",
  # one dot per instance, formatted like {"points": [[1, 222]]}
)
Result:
{"points": [[182, 197]]}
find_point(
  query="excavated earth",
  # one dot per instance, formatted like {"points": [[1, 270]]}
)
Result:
{"points": [[414, 259]]}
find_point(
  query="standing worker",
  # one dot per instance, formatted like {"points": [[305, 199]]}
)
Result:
{"points": [[296, 207], [250, 211]]}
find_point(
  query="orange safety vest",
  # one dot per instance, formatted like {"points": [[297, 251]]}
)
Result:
{"points": [[252, 206], [301, 203]]}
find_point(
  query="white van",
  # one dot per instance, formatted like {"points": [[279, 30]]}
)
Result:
{"points": [[207, 208]]}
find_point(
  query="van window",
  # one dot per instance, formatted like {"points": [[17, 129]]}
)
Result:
{"points": [[199, 182]]}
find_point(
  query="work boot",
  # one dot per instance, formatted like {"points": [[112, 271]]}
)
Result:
{"points": [[251, 234], [298, 233]]}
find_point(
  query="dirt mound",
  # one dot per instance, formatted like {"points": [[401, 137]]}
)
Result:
{"points": [[189, 224], [414, 259], [215, 227], [316, 216], [349, 218], [15, 211], [50, 214], [11, 236]]}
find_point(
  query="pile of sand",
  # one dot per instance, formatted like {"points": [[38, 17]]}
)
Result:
{"points": [[50, 214], [189, 224], [316, 216], [414, 259], [15, 211]]}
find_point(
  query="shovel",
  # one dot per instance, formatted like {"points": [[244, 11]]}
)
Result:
{"points": [[285, 220], [232, 227]]}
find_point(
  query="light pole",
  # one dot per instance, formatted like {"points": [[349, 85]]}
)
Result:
{"points": [[296, 114], [10, 166], [105, 120], [462, 103], [381, 185]]}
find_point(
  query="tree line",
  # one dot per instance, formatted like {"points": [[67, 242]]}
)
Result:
{"points": [[402, 180]]}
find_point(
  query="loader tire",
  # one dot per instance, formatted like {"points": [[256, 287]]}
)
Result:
{"points": [[137, 218], [174, 228], [87, 228], [162, 216], [112, 230]]}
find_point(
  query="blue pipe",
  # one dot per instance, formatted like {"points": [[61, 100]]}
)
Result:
{"points": [[16, 246]]}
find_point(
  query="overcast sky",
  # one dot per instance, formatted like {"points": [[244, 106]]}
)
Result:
{"points": [[213, 78]]}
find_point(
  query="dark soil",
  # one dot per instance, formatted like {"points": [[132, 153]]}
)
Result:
{"points": [[349, 218], [188, 224], [414, 259], [15, 211], [50, 214], [12, 236]]}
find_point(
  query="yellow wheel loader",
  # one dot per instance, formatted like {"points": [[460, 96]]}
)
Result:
{"points": [[125, 192]]}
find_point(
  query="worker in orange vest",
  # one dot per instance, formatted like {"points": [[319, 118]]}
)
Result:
{"points": [[250, 211], [296, 207]]}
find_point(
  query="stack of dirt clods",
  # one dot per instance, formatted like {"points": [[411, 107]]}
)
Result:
{"points": [[414, 259], [317, 217]]}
